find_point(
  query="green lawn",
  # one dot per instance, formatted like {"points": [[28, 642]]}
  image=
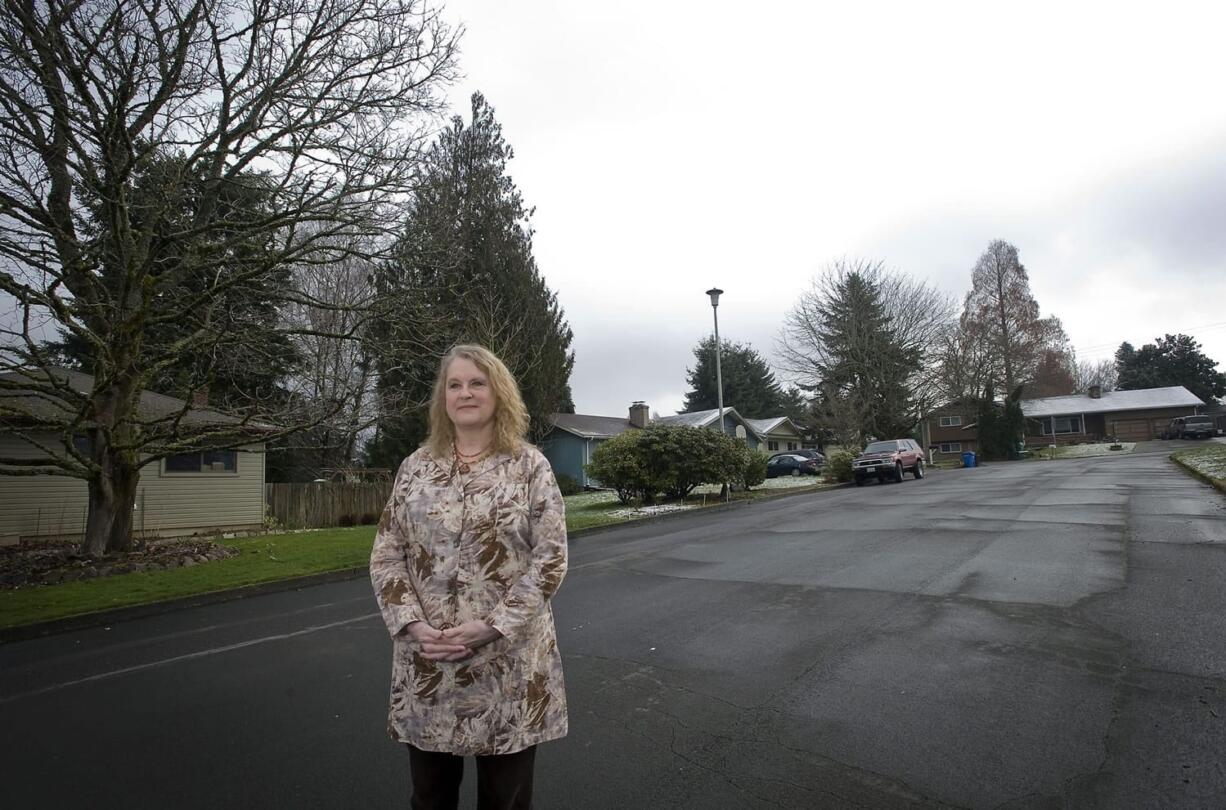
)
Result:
{"points": [[590, 509], [267, 559], [260, 559]]}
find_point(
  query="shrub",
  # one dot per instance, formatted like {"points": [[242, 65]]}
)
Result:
{"points": [[369, 519], [838, 466], [346, 520], [568, 485], [754, 470], [671, 460], [615, 463], [270, 522]]}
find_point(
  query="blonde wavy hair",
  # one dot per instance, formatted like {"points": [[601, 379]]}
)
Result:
{"points": [[510, 415]]}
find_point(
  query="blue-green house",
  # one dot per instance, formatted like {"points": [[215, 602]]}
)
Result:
{"points": [[574, 436], [569, 445]]}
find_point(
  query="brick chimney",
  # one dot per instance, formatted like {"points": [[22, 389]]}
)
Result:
{"points": [[200, 397], [640, 414], [1096, 392]]}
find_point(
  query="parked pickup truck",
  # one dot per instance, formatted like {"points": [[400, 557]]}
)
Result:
{"points": [[1189, 427], [887, 460]]}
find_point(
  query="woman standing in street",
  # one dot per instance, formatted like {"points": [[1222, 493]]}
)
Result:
{"points": [[469, 551]]}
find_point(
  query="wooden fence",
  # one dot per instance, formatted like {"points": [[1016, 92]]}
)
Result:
{"points": [[326, 504]]}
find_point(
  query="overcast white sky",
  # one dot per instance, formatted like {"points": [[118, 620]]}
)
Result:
{"points": [[672, 146]]}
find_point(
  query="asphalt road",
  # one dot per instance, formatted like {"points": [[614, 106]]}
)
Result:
{"points": [[1038, 634]]}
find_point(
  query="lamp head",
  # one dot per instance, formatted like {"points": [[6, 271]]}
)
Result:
{"points": [[715, 293]]}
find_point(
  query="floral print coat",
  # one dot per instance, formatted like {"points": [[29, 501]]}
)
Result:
{"points": [[451, 547]]}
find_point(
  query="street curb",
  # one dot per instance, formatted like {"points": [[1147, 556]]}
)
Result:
{"points": [[1216, 483], [84, 621], [714, 508]]}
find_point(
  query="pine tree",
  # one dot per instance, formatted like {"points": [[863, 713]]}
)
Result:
{"points": [[225, 344], [866, 368], [749, 383], [467, 250], [865, 341], [1171, 360]]}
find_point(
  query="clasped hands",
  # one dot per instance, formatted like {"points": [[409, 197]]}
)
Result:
{"points": [[452, 644]]}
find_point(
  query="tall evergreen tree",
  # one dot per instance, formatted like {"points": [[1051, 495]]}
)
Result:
{"points": [[857, 361], [749, 383], [467, 249], [1170, 360], [869, 363], [224, 345], [865, 341]]}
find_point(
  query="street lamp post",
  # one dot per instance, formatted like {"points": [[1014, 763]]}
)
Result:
{"points": [[715, 293]]}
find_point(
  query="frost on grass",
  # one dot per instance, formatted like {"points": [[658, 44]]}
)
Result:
{"points": [[647, 511], [1087, 450], [596, 498], [782, 482], [1210, 461]]}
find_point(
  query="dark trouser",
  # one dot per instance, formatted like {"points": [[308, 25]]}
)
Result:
{"points": [[504, 781]]}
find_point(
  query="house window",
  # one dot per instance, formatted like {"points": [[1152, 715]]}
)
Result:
{"points": [[83, 444], [792, 446], [951, 421], [772, 445], [949, 447], [1060, 425], [207, 461]]}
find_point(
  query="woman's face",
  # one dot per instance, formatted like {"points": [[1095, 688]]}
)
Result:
{"points": [[470, 401]]}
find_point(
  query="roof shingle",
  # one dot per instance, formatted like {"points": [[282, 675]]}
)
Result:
{"points": [[1143, 399]]}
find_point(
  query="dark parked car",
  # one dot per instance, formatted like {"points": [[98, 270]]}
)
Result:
{"points": [[887, 460], [807, 453], [1189, 427], [791, 464]]}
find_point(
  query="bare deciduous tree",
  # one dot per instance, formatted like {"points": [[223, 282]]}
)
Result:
{"points": [[1002, 317], [1087, 373], [163, 160], [962, 365]]}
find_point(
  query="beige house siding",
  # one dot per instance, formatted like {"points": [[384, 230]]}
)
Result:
{"points": [[166, 503], [782, 436]]}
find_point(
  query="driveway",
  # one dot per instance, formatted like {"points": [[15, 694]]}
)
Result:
{"points": [[1033, 634]]}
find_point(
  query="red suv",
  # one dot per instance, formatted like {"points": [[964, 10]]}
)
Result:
{"points": [[887, 460]]}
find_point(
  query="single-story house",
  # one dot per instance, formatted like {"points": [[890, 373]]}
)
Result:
{"points": [[1129, 416], [778, 434], [570, 442], [734, 424], [572, 439], [188, 493]]}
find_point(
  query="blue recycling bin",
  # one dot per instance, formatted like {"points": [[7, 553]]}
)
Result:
{"points": [[968, 459]]}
